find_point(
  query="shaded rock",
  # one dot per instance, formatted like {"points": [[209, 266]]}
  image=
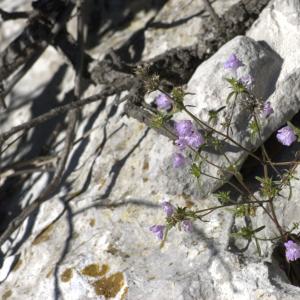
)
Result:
{"points": [[279, 28]]}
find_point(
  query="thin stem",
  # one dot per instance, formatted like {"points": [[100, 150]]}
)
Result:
{"points": [[264, 151], [229, 204], [231, 115], [228, 182]]}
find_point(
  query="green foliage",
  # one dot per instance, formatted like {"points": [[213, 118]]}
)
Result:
{"points": [[178, 96], [224, 197], [254, 129], [196, 170], [237, 87], [247, 232], [245, 210], [213, 115], [269, 188], [160, 119]]}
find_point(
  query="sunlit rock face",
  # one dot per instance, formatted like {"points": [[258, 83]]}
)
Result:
{"points": [[92, 240]]}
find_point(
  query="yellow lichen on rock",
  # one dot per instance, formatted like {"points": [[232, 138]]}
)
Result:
{"points": [[92, 222], [43, 236], [6, 295], [66, 275], [93, 270], [110, 286]]}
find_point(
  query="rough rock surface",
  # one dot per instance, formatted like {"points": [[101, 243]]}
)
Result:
{"points": [[274, 68], [178, 25], [209, 90], [97, 245]]}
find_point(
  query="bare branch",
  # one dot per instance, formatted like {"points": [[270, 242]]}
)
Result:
{"points": [[6, 16]]}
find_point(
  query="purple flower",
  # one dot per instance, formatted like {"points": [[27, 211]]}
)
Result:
{"points": [[267, 109], [181, 143], [184, 128], [286, 136], [233, 63], [247, 81], [158, 230], [195, 140], [163, 102], [187, 225], [168, 208], [292, 251], [178, 160]]}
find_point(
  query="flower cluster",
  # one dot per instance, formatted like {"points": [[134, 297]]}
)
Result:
{"points": [[170, 212], [233, 63], [163, 102], [286, 136], [267, 109], [292, 252], [187, 136]]}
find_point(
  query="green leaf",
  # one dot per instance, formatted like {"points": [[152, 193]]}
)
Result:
{"points": [[223, 197], [229, 97], [196, 170]]}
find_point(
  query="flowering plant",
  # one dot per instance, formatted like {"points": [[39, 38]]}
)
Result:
{"points": [[193, 134]]}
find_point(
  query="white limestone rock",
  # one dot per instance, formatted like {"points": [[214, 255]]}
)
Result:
{"points": [[279, 27], [108, 224], [209, 90], [178, 25], [98, 251]]}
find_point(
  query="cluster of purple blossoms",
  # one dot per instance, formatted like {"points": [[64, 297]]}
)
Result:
{"points": [[158, 230], [233, 63], [267, 109], [292, 250], [169, 210], [286, 136], [178, 160], [187, 136], [163, 102]]}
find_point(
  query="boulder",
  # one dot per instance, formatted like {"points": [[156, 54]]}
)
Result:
{"points": [[92, 240]]}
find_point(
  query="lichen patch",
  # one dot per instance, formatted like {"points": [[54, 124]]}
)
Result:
{"points": [[92, 222], [110, 286], [6, 295], [66, 275], [94, 270], [43, 236]]}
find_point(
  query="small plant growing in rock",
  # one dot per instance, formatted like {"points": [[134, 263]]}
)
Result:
{"points": [[193, 135]]}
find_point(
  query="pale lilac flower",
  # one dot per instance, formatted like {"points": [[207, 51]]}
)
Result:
{"points": [[233, 63], [286, 136], [168, 208], [292, 250], [181, 142], [184, 128], [195, 140], [158, 230], [247, 81], [178, 160], [163, 102], [187, 225], [267, 109]]}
